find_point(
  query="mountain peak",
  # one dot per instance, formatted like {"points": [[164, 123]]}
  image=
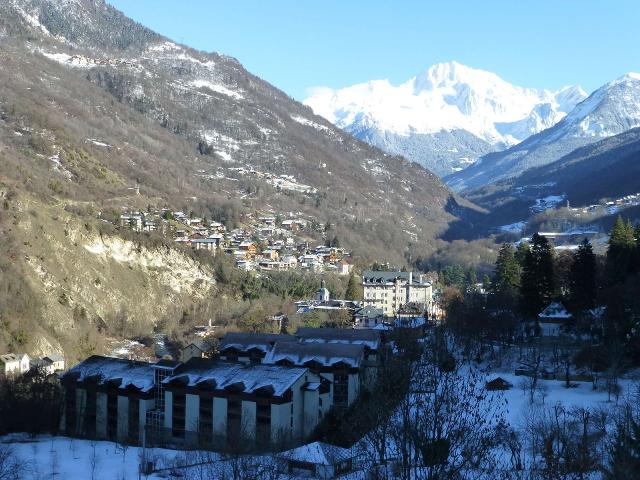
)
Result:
{"points": [[451, 73], [630, 76]]}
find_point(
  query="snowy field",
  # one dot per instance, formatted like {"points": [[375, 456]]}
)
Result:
{"points": [[552, 392], [46, 457]]}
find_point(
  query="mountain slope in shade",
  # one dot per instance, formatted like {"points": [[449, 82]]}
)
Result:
{"points": [[446, 117], [612, 109], [607, 169]]}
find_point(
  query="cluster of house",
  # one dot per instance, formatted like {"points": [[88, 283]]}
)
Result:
{"points": [[262, 390], [390, 300], [610, 207], [267, 244], [13, 364]]}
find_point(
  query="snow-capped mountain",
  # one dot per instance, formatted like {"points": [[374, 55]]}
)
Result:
{"points": [[612, 109], [446, 117]]}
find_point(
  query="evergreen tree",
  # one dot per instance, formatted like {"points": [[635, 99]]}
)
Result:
{"points": [[582, 279], [620, 254], [521, 253], [506, 279], [486, 282], [352, 292], [472, 279], [537, 286]]}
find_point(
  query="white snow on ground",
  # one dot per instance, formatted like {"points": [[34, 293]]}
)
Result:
{"points": [[165, 47], [516, 227], [79, 62], [554, 391], [550, 201], [66, 458], [216, 87], [224, 155], [309, 123], [217, 139], [57, 165], [98, 143]]}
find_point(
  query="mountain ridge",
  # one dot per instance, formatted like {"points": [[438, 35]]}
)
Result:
{"points": [[610, 110], [448, 97]]}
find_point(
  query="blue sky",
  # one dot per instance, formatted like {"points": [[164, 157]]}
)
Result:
{"points": [[297, 44]]}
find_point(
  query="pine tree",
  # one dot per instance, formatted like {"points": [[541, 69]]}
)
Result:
{"points": [[537, 286], [352, 292], [620, 254], [506, 280], [582, 279], [521, 253]]}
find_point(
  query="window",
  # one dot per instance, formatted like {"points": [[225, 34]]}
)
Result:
{"points": [[178, 415], [255, 356], [341, 390]]}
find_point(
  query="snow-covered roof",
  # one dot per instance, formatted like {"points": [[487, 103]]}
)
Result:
{"points": [[326, 354], [366, 337], [126, 373], [240, 377], [376, 277], [317, 453], [248, 341], [555, 311]]}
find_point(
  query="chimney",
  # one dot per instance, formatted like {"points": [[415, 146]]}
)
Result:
{"points": [[410, 277]]}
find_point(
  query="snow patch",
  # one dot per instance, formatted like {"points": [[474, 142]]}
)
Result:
{"points": [[309, 123], [216, 87]]}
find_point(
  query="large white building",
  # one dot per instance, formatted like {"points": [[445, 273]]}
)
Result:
{"points": [[202, 402], [391, 290]]}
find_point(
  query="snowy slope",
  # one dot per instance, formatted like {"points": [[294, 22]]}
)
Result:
{"points": [[612, 109], [448, 97]]}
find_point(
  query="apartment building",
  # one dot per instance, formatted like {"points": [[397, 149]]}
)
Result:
{"points": [[390, 291], [204, 403]]}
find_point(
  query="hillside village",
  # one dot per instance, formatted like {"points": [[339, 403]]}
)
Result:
{"points": [[268, 242]]}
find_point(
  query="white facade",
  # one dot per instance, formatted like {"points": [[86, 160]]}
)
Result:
{"points": [[391, 290], [14, 364]]}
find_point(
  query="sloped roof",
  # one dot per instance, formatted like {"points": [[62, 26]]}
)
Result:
{"points": [[8, 357], [317, 453], [367, 337], [245, 378], [127, 373], [370, 311], [248, 341], [555, 311], [381, 277], [326, 354]]}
